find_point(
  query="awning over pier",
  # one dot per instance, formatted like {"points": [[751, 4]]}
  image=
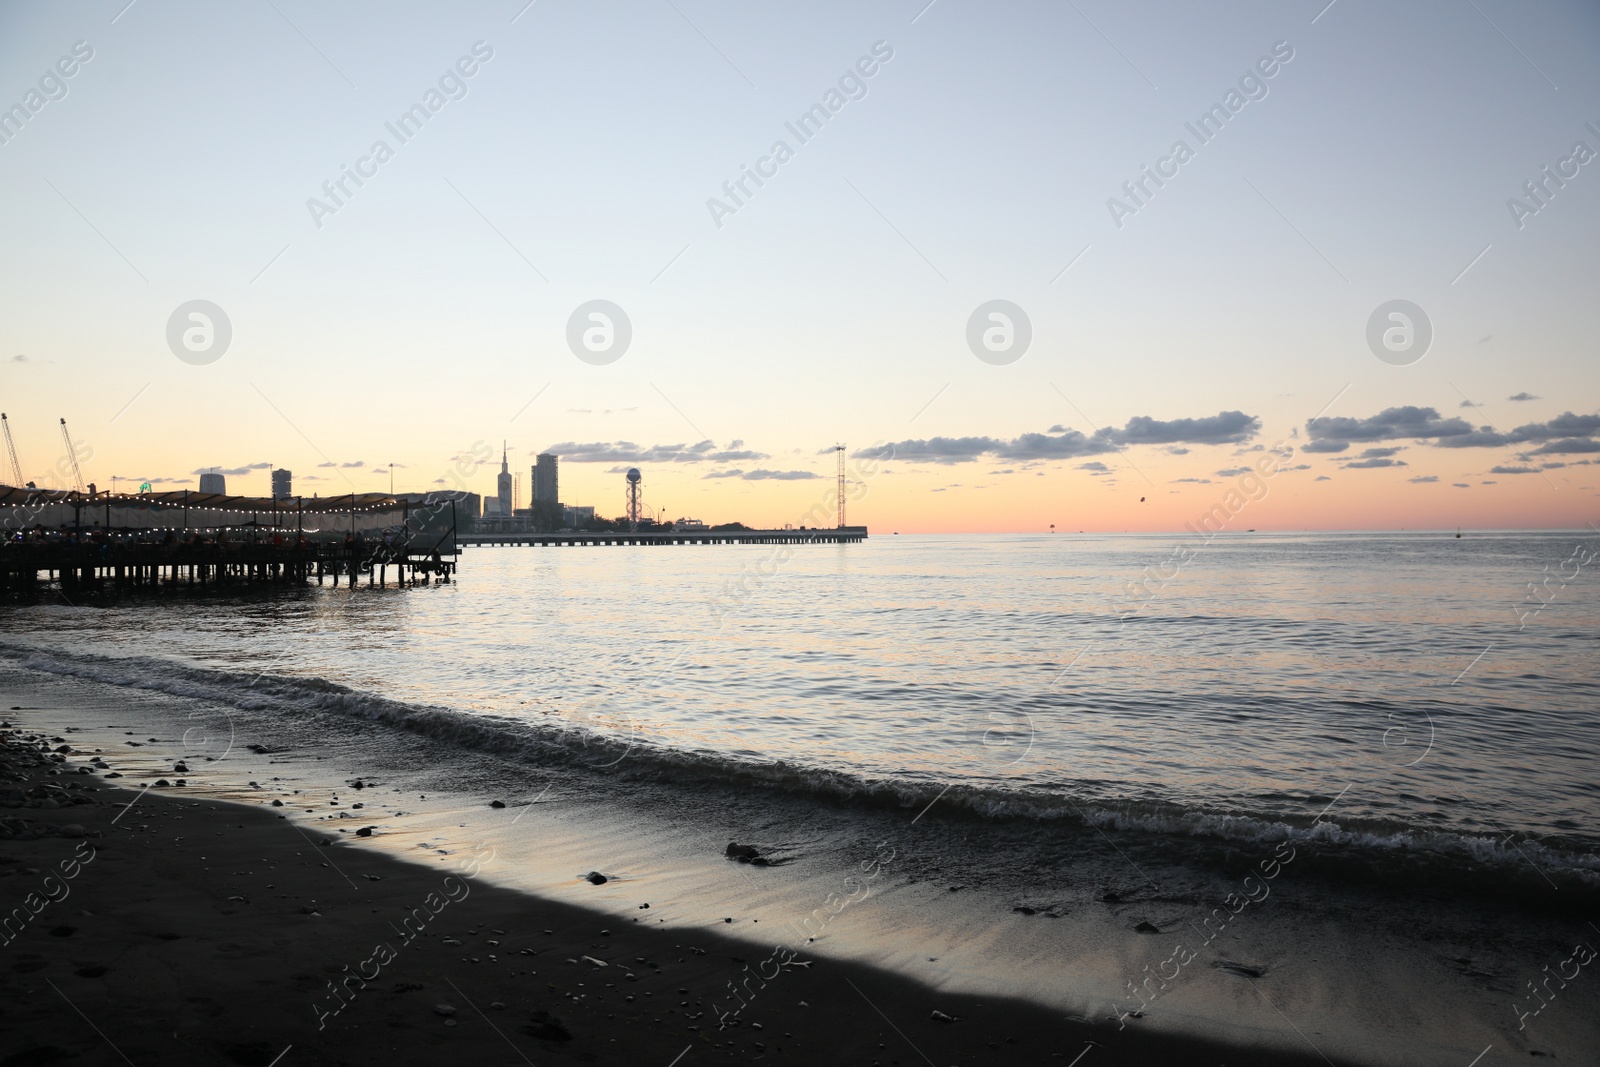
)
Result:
{"points": [[366, 514]]}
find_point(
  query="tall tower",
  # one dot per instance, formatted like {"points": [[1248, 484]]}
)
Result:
{"points": [[840, 449], [546, 485], [635, 482], [504, 485]]}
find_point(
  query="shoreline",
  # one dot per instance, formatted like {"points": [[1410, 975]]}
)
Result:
{"points": [[201, 927], [1313, 970]]}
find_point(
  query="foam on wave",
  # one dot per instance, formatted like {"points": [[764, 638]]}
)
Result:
{"points": [[630, 754]]}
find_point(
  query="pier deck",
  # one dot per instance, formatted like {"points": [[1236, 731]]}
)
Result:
{"points": [[838, 535]]}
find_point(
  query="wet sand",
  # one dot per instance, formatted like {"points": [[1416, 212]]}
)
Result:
{"points": [[173, 927]]}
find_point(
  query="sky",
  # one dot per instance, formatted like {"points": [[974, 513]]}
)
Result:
{"points": [[953, 258]]}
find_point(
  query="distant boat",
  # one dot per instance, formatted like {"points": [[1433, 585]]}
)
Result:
{"points": [[1458, 533]]}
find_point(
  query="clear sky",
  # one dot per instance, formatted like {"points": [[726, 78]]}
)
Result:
{"points": [[560, 153]]}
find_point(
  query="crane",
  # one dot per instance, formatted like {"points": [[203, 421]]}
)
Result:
{"points": [[11, 447], [72, 454]]}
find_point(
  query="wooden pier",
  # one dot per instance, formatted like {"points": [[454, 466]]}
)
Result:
{"points": [[837, 535], [162, 540]]}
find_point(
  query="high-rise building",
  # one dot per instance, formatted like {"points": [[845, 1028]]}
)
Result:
{"points": [[212, 481], [546, 488], [281, 480], [504, 485]]}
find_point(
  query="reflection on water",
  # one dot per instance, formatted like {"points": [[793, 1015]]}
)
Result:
{"points": [[1263, 676]]}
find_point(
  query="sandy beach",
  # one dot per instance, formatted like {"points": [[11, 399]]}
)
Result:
{"points": [[246, 910], [160, 925]]}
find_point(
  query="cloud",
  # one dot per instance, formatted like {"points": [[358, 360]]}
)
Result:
{"points": [[1368, 464], [780, 476], [760, 475], [1224, 428], [1335, 434], [1197, 481], [1323, 478], [1466, 404], [1523, 396], [1423, 479], [1461, 485], [1567, 445], [628, 452], [1566, 433], [233, 471], [328, 464], [19, 358], [1094, 465], [1233, 472], [1512, 470], [1379, 453]]}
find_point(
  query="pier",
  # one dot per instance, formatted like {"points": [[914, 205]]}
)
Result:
{"points": [[173, 539], [157, 540], [834, 536]]}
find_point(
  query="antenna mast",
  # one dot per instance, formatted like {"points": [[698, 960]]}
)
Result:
{"points": [[840, 449], [16, 468], [72, 454]]}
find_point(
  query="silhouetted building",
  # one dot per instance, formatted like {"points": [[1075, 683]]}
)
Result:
{"points": [[504, 508], [577, 516], [546, 489], [212, 481], [280, 484]]}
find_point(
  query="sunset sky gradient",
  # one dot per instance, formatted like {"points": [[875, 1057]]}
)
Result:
{"points": [[983, 159]]}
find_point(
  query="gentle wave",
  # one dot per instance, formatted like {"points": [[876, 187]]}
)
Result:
{"points": [[584, 742]]}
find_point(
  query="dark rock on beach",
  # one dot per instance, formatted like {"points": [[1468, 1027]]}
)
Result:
{"points": [[742, 853]]}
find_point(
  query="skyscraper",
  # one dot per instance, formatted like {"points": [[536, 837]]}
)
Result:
{"points": [[212, 481], [546, 488], [505, 483], [281, 480]]}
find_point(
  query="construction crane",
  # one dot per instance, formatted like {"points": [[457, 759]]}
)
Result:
{"points": [[72, 454], [11, 447]]}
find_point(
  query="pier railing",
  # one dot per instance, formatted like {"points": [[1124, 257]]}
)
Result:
{"points": [[569, 539]]}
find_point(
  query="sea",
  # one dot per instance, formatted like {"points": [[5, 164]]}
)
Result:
{"points": [[1398, 697]]}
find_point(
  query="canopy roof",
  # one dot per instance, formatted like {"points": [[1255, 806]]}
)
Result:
{"points": [[12, 497]]}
